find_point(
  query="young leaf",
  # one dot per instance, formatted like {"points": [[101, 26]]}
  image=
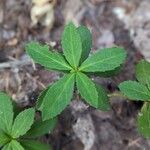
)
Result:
{"points": [[134, 90], [104, 60], [87, 89], [51, 60], [86, 39], [103, 100], [57, 97], [41, 98], [23, 122], [6, 113], [40, 128], [143, 121], [72, 45], [3, 138], [34, 145], [143, 72]]}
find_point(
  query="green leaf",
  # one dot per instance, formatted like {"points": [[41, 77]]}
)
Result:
{"points": [[35, 145], [40, 128], [13, 145], [58, 97], [72, 45], [3, 138], [51, 60], [104, 60], [103, 100], [86, 39], [143, 120], [134, 90], [23, 122], [87, 89], [143, 72], [41, 98], [6, 113]]}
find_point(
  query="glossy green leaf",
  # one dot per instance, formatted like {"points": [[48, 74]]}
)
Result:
{"points": [[23, 122], [6, 112], [3, 138], [104, 60], [51, 60], [134, 90], [143, 120], [103, 100], [72, 45], [58, 97], [143, 72], [40, 128], [87, 89], [86, 38], [35, 145]]}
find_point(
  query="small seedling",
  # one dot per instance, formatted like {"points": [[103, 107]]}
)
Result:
{"points": [[19, 131], [140, 91], [77, 65]]}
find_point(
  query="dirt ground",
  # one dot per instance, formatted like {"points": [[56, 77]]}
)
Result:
{"points": [[124, 23]]}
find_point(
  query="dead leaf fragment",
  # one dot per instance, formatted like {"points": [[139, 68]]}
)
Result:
{"points": [[43, 12]]}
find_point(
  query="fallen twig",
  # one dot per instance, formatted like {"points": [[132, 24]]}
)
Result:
{"points": [[15, 63]]}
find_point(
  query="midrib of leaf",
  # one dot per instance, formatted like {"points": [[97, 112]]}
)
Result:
{"points": [[64, 87], [63, 90], [100, 61], [54, 60], [72, 47]]}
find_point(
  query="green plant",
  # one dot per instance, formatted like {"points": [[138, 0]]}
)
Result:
{"points": [[140, 91], [77, 65], [20, 131]]}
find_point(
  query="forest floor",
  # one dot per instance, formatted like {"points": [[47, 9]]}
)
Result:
{"points": [[112, 22]]}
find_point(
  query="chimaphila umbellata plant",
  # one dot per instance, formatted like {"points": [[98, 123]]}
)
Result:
{"points": [[18, 130], [140, 91], [76, 64]]}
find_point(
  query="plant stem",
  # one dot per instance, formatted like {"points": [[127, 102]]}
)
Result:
{"points": [[116, 94]]}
